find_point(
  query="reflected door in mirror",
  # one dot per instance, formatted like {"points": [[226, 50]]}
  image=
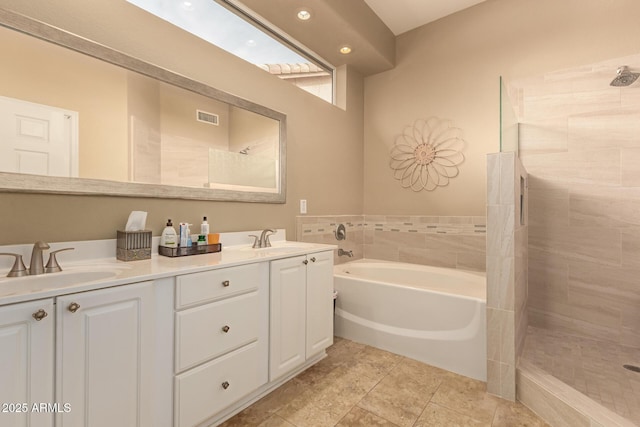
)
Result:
{"points": [[37, 139]]}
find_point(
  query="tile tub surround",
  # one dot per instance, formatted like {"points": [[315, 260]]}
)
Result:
{"points": [[316, 229], [441, 241], [357, 385], [507, 264]]}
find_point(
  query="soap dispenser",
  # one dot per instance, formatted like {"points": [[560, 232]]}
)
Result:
{"points": [[169, 236], [204, 227]]}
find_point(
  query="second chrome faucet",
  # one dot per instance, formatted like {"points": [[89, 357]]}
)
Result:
{"points": [[263, 240]]}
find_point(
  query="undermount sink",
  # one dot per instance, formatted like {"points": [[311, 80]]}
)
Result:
{"points": [[283, 249], [278, 248], [54, 280]]}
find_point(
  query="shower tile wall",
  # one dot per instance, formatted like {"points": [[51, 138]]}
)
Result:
{"points": [[580, 143], [444, 241], [506, 270]]}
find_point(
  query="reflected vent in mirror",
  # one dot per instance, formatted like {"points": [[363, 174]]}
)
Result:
{"points": [[204, 117]]}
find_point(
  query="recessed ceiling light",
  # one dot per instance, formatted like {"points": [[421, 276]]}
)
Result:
{"points": [[251, 43], [345, 50], [187, 5], [304, 14]]}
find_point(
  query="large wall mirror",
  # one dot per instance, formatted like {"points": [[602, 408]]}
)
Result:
{"points": [[77, 117]]}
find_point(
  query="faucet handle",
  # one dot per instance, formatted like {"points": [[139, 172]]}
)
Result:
{"points": [[269, 232], [52, 265], [18, 269], [256, 241]]}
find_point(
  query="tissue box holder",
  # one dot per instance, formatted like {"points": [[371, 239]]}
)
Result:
{"points": [[133, 245]]}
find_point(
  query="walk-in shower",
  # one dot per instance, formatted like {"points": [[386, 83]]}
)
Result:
{"points": [[576, 140]]}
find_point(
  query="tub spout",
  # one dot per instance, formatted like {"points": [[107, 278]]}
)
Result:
{"points": [[342, 252]]}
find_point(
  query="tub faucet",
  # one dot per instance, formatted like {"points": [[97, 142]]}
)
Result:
{"points": [[37, 264], [342, 252]]}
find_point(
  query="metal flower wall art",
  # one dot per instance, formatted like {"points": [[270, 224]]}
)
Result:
{"points": [[427, 155]]}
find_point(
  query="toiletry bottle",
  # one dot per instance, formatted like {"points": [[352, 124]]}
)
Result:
{"points": [[184, 237], [169, 237], [204, 227], [189, 238]]}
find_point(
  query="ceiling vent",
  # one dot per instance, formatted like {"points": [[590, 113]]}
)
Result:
{"points": [[204, 117]]}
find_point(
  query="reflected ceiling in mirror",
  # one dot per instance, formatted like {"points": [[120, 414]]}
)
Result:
{"points": [[125, 127]]}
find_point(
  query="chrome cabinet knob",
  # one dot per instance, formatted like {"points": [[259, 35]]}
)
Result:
{"points": [[225, 329], [305, 262], [226, 283], [313, 259], [40, 314], [73, 307], [225, 385]]}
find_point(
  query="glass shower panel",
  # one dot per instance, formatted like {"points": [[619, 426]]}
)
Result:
{"points": [[508, 122]]}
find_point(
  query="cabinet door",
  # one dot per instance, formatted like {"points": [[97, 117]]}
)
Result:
{"points": [[319, 302], [105, 357], [288, 296], [26, 363]]}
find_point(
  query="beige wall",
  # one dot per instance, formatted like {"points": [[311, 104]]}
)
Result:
{"points": [[451, 69], [324, 148]]}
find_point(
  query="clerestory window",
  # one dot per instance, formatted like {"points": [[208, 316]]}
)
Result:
{"points": [[232, 29]]}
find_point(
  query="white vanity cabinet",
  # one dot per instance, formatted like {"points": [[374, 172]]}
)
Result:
{"points": [[26, 362], [103, 342], [105, 357], [301, 310], [165, 343], [222, 347]]}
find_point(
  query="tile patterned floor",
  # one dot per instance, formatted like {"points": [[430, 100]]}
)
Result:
{"points": [[358, 385], [592, 367]]}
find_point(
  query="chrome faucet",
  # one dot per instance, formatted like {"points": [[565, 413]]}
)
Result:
{"points": [[342, 252], [263, 240], [37, 264]]}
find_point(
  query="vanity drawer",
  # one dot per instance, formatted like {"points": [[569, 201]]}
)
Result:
{"points": [[200, 331], [197, 288], [201, 393]]}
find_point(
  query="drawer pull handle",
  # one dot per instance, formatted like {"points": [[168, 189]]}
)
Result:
{"points": [[225, 329], [226, 283], [73, 307], [313, 259], [225, 385], [305, 262], [39, 315]]}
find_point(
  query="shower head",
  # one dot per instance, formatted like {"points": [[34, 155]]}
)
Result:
{"points": [[624, 77]]}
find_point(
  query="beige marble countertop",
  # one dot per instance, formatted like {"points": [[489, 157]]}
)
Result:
{"points": [[98, 273]]}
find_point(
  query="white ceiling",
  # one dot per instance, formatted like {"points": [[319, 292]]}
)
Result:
{"points": [[404, 15]]}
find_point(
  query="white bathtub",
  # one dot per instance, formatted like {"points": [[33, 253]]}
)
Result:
{"points": [[435, 315]]}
